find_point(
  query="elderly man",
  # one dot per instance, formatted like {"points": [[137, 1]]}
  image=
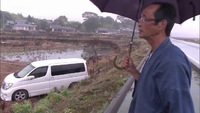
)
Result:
{"points": [[163, 86]]}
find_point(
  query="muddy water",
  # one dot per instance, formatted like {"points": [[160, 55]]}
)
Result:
{"points": [[36, 55], [41, 55]]}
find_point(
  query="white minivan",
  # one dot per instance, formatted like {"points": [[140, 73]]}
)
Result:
{"points": [[42, 77]]}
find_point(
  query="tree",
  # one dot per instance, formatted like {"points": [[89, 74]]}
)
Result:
{"points": [[30, 19], [116, 25], [62, 20], [127, 23], [87, 15], [107, 22], [91, 24], [120, 18], [43, 24], [74, 24], [4, 16]]}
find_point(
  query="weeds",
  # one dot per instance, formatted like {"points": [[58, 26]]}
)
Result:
{"points": [[26, 107], [41, 109], [67, 93]]}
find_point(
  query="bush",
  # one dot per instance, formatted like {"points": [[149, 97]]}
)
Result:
{"points": [[67, 93], [43, 106], [53, 98], [41, 109], [22, 108]]}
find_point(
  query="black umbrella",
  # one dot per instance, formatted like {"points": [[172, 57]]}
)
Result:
{"points": [[185, 9]]}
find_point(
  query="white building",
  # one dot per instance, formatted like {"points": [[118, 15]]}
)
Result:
{"points": [[26, 27], [21, 24]]}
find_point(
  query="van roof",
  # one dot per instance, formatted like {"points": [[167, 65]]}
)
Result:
{"points": [[57, 61]]}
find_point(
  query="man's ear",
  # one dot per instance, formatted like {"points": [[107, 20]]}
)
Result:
{"points": [[162, 24]]}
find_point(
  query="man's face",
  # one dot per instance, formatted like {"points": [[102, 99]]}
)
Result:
{"points": [[147, 27]]}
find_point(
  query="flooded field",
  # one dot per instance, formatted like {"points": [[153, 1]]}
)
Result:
{"points": [[58, 53], [24, 48], [41, 55]]}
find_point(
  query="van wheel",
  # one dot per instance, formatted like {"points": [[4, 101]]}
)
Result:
{"points": [[72, 85], [20, 95]]}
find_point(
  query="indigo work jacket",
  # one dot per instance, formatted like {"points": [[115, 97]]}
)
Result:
{"points": [[164, 83]]}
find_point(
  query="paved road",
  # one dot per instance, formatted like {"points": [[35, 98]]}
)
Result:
{"points": [[192, 51]]}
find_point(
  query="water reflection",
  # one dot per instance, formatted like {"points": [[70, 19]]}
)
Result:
{"points": [[29, 56], [89, 52], [36, 55], [85, 52]]}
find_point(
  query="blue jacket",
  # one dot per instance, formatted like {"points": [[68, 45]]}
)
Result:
{"points": [[164, 83]]}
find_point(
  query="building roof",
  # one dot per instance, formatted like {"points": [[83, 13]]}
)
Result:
{"points": [[24, 25]]}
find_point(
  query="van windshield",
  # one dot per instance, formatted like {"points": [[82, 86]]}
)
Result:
{"points": [[25, 70]]}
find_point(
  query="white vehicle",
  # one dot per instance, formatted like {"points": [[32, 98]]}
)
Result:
{"points": [[41, 77]]}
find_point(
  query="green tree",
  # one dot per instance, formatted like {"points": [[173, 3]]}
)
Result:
{"points": [[120, 18], [127, 23], [88, 15], [116, 25], [62, 20], [91, 24], [44, 25], [30, 19], [74, 24], [107, 22]]}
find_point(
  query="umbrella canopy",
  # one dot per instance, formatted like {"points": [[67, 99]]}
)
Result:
{"points": [[185, 9]]}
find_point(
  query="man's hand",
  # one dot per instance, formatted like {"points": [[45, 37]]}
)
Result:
{"points": [[130, 67]]}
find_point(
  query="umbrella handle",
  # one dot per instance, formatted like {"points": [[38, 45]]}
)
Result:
{"points": [[116, 66], [129, 51], [115, 59], [130, 48]]}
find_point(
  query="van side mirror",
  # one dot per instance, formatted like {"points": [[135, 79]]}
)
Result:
{"points": [[31, 77]]}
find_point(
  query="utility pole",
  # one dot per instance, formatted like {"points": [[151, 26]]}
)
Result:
{"points": [[2, 26], [3, 22]]}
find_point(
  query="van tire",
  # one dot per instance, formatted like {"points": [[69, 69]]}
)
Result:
{"points": [[71, 86], [20, 95]]}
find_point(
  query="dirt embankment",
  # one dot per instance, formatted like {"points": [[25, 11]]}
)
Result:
{"points": [[7, 67]]}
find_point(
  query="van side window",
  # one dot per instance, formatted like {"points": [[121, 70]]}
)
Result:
{"points": [[39, 72], [66, 69]]}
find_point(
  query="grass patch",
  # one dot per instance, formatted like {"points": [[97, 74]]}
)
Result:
{"points": [[24, 107]]}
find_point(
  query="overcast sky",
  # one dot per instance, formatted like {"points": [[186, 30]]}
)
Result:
{"points": [[51, 9], [73, 10]]}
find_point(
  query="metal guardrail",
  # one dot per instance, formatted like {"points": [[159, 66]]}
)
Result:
{"points": [[195, 64]]}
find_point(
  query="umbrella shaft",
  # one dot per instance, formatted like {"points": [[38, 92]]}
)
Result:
{"points": [[131, 42], [130, 48]]}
